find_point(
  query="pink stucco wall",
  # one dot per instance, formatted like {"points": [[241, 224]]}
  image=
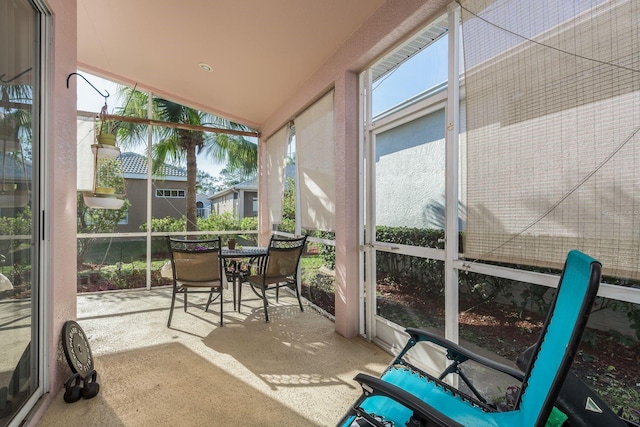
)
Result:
{"points": [[393, 22], [59, 138]]}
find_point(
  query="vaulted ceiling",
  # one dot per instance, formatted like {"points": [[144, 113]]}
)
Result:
{"points": [[260, 51]]}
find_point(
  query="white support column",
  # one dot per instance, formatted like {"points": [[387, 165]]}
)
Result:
{"points": [[363, 112], [298, 229], [240, 203], [452, 161], [369, 214], [264, 226], [149, 185]]}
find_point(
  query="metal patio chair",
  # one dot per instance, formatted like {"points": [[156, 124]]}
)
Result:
{"points": [[197, 268], [407, 395], [277, 269]]}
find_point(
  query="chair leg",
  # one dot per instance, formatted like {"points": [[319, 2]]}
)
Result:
{"points": [[221, 304], [185, 299], [233, 285], [264, 303], [239, 293], [209, 301], [299, 300], [173, 302]]}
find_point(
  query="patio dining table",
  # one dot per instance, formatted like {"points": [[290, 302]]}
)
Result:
{"points": [[234, 259]]}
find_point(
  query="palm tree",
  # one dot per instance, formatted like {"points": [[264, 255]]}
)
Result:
{"points": [[177, 145], [15, 113]]}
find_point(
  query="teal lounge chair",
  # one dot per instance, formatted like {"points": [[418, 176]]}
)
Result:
{"points": [[405, 395]]}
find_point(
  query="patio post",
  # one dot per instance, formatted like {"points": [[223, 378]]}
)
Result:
{"points": [[264, 227], [346, 204]]}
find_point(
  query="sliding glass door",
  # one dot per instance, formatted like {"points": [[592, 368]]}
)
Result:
{"points": [[20, 297]]}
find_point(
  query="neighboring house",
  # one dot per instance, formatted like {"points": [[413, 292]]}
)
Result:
{"points": [[169, 191], [203, 205], [240, 199]]}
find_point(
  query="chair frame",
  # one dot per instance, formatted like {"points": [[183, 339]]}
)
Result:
{"points": [[443, 405], [187, 284], [264, 280]]}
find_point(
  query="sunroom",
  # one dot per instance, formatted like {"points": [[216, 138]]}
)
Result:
{"points": [[448, 155]]}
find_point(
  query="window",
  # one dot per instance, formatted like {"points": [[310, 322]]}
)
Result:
{"points": [[254, 206], [125, 219], [170, 193]]}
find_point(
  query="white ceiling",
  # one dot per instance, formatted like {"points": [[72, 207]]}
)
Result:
{"points": [[261, 51]]}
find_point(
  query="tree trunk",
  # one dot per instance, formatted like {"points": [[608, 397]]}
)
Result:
{"points": [[192, 170]]}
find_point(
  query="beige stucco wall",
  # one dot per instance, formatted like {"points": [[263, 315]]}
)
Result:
{"points": [[394, 21], [160, 207], [223, 204]]}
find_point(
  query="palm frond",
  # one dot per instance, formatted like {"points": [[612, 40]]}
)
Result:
{"points": [[237, 153], [166, 151]]}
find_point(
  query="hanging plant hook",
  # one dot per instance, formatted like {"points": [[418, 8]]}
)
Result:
{"points": [[15, 77], [90, 84]]}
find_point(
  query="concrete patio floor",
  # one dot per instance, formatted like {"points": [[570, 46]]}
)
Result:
{"points": [[295, 370]]}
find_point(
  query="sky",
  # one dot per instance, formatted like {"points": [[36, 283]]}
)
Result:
{"points": [[91, 101], [425, 70]]}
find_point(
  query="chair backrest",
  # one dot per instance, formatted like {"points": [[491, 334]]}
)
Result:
{"points": [[283, 256], [195, 260], [560, 337]]}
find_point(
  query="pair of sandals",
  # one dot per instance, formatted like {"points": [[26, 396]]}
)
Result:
{"points": [[77, 387]]}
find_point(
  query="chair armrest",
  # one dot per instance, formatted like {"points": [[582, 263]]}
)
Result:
{"points": [[461, 354], [376, 386]]}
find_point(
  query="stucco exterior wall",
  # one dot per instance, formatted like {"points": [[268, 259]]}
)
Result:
{"points": [[394, 21], [248, 197], [59, 138], [241, 206], [223, 204], [160, 207], [415, 197]]}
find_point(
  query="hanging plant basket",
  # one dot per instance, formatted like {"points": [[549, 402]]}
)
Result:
{"points": [[105, 190], [103, 201], [107, 139]]}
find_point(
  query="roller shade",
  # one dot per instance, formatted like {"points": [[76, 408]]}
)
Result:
{"points": [[315, 149], [553, 110], [276, 163]]}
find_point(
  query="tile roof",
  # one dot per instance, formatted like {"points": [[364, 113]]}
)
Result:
{"points": [[133, 163]]}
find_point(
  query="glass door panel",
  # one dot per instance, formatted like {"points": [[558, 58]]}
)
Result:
{"points": [[410, 182], [19, 39], [410, 290], [408, 195]]}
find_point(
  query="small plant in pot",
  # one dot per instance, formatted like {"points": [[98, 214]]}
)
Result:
{"points": [[106, 129], [106, 132]]}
